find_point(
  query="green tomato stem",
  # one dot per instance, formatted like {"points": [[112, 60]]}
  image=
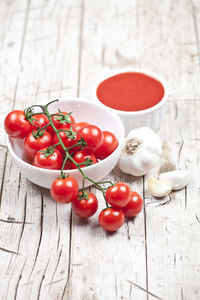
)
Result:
{"points": [[76, 145], [63, 165], [83, 185], [56, 100], [67, 155]]}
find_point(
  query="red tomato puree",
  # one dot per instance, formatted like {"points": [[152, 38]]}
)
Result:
{"points": [[130, 91]]}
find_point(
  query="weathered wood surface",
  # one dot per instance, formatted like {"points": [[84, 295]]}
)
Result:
{"points": [[59, 49]]}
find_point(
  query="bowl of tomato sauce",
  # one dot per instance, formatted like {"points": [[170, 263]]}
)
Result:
{"points": [[83, 110], [137, 96]]}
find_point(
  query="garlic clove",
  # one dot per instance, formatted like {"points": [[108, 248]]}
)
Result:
{"points": [[158, 188], [177, 179]]}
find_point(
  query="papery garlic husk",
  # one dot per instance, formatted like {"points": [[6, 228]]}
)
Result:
{"points": [[141, 151], [177, 179], [158, 188]]}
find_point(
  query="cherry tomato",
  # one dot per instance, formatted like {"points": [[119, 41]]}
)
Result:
{"points": [[59, 124], [81, 156], [80, 125], [33, 145], [64, 190], [16, 125], [111, 218], [68, 165], [85, 207], [67, 141], [52, 161], [118, 195], [109, 144], [92, 135], [134, 205], [39, 121]]}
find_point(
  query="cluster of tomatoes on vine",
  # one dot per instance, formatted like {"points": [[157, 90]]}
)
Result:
{"points": [[57, 142]]}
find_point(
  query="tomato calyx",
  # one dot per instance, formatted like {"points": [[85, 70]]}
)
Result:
{"points": [[48, 151], [29, 115], [69, 133], [28, 112], [83, 195], [86, 163], [38, 133], [63, 175], [63, 118], [82, 143]]}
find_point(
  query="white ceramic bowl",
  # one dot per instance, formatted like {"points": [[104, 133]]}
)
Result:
{"points": [[83, 110], [151, 117]]}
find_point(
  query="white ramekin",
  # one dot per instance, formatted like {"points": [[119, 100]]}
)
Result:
{"points": [[151, 117]]}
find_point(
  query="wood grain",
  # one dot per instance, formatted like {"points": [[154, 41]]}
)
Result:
{"points": [[35, 233], [51, 49], [106, 251]]}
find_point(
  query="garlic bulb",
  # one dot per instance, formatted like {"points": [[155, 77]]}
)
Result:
{"points": [[158, 188], [141, 151], [177, 179]]}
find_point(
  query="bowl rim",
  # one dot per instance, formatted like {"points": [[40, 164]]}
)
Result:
{"points": [[147, 72], [57, 172]]}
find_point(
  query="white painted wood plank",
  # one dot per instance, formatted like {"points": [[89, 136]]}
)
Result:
{"points": [[35, 236], [172, 228], [13, 16], [168, 45], [173, 268], [173, 243], [51, 53], [3, 158], [102, 264]]}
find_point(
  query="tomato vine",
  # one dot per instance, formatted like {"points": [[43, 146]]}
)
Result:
{"points": [[29, 114]]}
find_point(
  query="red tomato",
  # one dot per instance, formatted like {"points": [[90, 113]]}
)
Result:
{"points": [[81, 156], [59, 123], [109, 144], [118, 195], [52, 161], [92, 135], [67, 141], [16, 125], [86, 207], [64, 190], [134, 205], [68, 165], [39, 121], [111, 219], [33, 145], [80, 125]]}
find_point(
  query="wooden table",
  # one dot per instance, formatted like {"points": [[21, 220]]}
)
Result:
{"points": [[51, 49]]}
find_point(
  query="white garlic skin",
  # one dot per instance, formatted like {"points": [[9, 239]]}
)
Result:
{"points": [[145, 157], [177, 179], [157, 188]]}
